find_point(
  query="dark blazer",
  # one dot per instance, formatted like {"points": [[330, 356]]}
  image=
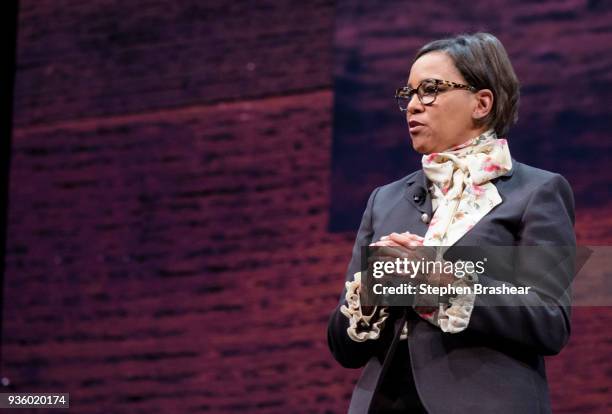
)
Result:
{"points": [[496, 364]]}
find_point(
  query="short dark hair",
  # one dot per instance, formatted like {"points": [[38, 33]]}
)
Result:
{"points": [[483, 62]]}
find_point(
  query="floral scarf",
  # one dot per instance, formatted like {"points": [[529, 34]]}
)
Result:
{"points": [[461, 178], [461, 181]]}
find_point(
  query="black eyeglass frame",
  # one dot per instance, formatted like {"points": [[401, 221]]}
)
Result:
{"points": [[405, 93]]}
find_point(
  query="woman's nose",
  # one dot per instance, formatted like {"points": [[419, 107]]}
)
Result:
{"points": [[414, 105]]}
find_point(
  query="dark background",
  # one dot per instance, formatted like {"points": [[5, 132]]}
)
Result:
{"points": [[185, 178]]}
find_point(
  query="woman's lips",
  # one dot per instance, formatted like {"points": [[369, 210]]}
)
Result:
{"points": [[415, 126]]}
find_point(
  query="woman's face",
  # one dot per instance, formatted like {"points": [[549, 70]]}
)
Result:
{"points": [[449, 120]]}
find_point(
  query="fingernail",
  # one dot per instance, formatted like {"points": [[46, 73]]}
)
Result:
{"points": [[384, 237]]}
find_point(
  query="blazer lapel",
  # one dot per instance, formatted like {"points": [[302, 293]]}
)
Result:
{"points": [[417, 194]]}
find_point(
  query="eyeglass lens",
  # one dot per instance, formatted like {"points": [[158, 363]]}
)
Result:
{"points": [[426, 92]]}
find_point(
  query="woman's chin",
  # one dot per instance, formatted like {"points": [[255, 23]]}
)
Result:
{"points": [[420, 144]]}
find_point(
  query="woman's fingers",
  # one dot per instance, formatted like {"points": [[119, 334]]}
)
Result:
{"points": [[406, 239], [386, 242]]}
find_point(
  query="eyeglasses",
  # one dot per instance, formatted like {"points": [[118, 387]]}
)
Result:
{"points": [[427, 91]]}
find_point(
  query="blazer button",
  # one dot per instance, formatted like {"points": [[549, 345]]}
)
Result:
{"points": [[425, 218]]}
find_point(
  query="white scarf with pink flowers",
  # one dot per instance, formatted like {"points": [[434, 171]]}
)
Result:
{"points": [[462, 195], [461, 178]]}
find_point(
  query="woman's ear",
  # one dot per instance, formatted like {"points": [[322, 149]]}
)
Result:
{"points": [[484, 103]]}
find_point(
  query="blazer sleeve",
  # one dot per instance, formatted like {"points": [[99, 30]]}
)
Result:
{"points": [[539, 320], [349, 353]]}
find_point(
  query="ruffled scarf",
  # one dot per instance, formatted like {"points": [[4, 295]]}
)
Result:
{"points": [[461, 178]]}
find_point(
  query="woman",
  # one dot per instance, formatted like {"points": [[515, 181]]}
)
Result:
{"points": [[463, 356]]}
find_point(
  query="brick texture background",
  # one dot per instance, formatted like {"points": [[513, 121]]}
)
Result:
{"points": [[170, 192]]}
